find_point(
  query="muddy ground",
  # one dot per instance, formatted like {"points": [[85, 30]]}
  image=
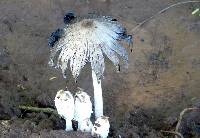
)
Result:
{"points": [[162, 78]]}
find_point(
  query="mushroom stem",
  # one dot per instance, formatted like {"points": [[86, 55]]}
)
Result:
{"points": [[68, 126], [98, 98]]}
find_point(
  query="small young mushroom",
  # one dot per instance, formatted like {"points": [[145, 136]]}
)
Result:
{"points": [[64, 103], [83, 110], [101, 127]]}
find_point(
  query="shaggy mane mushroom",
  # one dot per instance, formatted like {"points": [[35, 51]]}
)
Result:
{"points": [[87, 40]]}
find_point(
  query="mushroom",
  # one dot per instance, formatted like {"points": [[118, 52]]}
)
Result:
{"points": [[83, 110], [64, 103], [87, 40], [101, 127]]}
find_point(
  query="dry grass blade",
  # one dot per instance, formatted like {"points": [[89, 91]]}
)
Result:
{"points": [[181, 117], [134, 30], [173, 132], [37, 109]]}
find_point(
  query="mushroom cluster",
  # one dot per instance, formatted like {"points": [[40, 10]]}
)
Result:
{"points": [[77, 110], [87, 40]]}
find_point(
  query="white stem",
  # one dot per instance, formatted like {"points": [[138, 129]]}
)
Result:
{"points": [[68, 125], [98, 98]]}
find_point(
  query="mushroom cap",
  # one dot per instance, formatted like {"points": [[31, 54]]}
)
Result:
{"points": [[83, 106], [101, 127], [64, 103], [88, 40]]}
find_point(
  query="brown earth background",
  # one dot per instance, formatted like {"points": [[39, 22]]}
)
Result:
{"points": [[162, 78]]}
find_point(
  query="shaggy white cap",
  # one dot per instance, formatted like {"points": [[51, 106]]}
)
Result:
{"points": [[101, 127], [83, 106], [64, 103], [86, 40], [83, 110]]}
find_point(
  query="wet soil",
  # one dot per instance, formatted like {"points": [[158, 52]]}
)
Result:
{"points": [[162, 78]]}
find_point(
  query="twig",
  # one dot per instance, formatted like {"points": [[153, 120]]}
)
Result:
{"points": [[181, 117], [37, 109], [176, 132], [173, 132], [134, 30]]}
